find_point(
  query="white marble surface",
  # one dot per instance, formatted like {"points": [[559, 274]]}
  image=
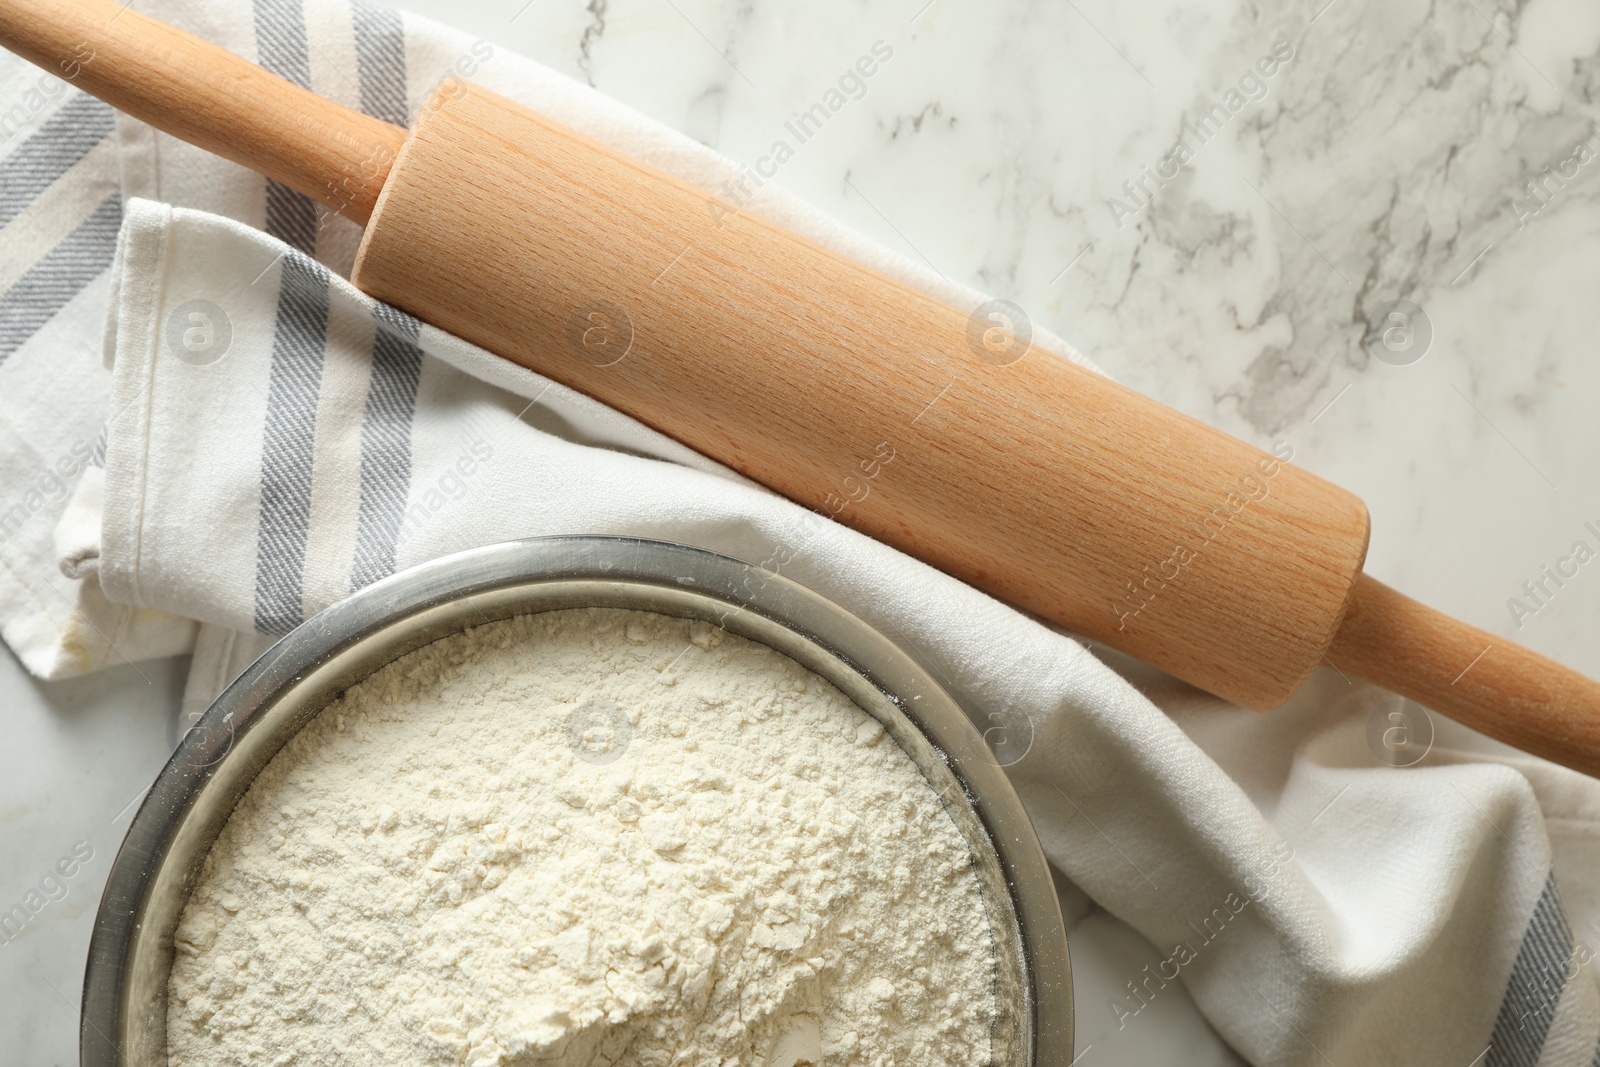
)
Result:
{"points": [[1379, 163], [75, 757]]}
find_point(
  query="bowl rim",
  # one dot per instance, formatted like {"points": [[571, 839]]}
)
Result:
{"points": [[450, 584]]}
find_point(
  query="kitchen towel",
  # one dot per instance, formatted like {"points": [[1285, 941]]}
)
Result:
{"points": [[209, 435]]}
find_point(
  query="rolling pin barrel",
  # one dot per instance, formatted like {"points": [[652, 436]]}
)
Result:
{"points": [[1003, 464]]}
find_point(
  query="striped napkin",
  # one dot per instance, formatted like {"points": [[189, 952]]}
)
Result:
{"points": [[207, 435]]}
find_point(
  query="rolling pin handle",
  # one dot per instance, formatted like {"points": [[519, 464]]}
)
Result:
{"points": [[209, 97], [1486, 682]]}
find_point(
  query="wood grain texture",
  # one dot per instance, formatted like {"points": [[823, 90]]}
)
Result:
{"points": [[209, 97], [1480, 680], [1039, 481]]}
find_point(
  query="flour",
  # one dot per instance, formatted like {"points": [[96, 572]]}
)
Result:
{"points": [[587, 837]]}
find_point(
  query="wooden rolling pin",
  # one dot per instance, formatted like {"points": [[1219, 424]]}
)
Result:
{"points": [[936, 429]]}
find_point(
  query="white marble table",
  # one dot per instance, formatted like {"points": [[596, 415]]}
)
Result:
{"points": [[74, 758], [1033, 150]]}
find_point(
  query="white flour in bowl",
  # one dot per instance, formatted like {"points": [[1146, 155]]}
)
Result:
{"points": [[587, 837]]}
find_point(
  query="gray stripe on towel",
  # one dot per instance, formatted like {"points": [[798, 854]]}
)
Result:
{"points": [[1538, 978], [40, 161], [291, 217], [396, 358], [298, 351], [298, 348], [48, 285], [283, 48], [386, 444], [381, 61]]}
